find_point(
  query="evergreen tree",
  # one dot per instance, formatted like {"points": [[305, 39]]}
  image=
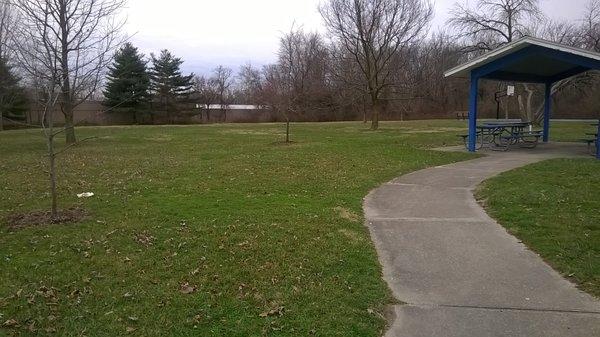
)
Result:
{"points": [[168, 84], [13, 101], [128, 81]]}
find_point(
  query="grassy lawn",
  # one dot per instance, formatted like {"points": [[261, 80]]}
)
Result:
{"points": [[552, 207], [205, 230]]}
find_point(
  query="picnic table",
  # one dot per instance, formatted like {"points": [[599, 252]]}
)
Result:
{"points": [[595, 141], [501, 135]]}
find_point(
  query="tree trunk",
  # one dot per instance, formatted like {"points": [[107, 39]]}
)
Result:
{"points": [[52, 163], [365, 119], [52, 158], [69, 125], [67, 94], [376, 109]]}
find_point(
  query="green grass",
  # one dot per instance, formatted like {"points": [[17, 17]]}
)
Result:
{"points": [[552, 206], [254, 224]]}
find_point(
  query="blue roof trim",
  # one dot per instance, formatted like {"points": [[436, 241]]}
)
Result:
{"points": [[503, 62], [494, 70], [571, 72], [509, 76]]}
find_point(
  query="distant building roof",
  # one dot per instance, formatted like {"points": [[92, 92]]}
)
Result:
{"points": [[229, 107]]}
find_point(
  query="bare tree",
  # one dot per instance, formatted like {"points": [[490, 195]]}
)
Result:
{"points": [[63, 50], [371, 32], [222, 80], [77, 38], [204, 93], [493, 23], [251, 85], [8, 23], [586, 35], [276, 95], [590, 29], [348, 84]]}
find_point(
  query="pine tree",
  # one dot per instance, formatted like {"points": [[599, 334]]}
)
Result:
{"points": [[13, 101], [128, 81], [168, 84]]}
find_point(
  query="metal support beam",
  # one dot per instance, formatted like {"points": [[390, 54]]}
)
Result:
{"points": [[547, 111], [473, 112], [598, 141]]}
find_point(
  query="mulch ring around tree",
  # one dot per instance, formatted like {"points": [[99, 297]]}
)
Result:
{"points": [[44, 218]]}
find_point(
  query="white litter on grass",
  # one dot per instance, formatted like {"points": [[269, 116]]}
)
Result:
{"points": [[85, 195]]}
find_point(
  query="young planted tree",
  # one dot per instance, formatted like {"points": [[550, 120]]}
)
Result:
{"points": [[128, 82], [167, 82], [276, 94], [372, 32], [13, 101], [80, 36], [63, 48]]}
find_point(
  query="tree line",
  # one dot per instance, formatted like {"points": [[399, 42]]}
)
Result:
{"points": [[378, 56]]}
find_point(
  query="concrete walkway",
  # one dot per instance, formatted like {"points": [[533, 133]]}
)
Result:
{"points": [[458, 271]]}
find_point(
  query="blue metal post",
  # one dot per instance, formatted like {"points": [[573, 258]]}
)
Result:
{"points": [[598, 141], [547, 106], [473, 112]]}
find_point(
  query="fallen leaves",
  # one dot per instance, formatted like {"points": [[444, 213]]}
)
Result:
{"points": [[186, 288], [347, 214], [276, 311], [144, 239], [10, 323]]}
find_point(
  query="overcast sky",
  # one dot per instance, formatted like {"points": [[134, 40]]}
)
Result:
{"points": [[206, 33]]}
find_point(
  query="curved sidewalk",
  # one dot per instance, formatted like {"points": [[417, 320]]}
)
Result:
{"points": [[458, 271]]}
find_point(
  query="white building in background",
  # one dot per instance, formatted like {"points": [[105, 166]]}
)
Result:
{"points": [[230, 107]]}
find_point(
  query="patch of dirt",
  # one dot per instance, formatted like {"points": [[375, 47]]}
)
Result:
{"points": [[437, 130], [284, 143], [250, 132], [44, 218], [347, 214], [144, 239], [351, 235], [159, 138]]}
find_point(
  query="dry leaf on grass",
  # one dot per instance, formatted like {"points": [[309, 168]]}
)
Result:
{"points": [[144, 239], [277, 311], [11, 323], [186, 288]]}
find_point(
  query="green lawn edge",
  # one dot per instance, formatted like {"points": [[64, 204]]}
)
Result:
{"points": [[552, 207]]}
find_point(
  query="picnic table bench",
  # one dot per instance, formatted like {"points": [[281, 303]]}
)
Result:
{"points": [[594, 141], [501, 135]]}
